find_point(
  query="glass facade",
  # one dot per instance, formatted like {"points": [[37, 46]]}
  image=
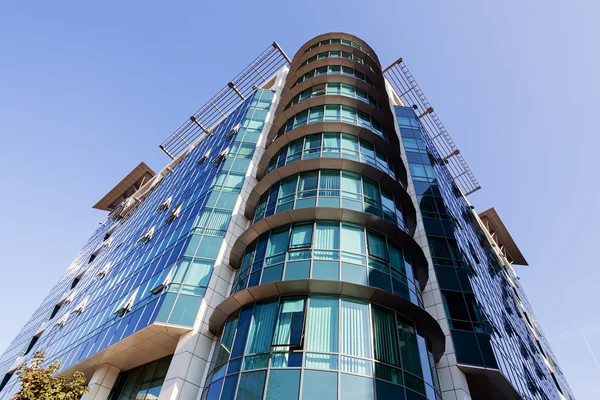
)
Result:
{"points": [[171, 236], [334, 88], [344, 42], [321, 347], [330, 250], [336, 70], [333, 113], [488, 326], [141, 383], [304, 283], [338, 54], [331, 188], [324, 346], [333, 145]]}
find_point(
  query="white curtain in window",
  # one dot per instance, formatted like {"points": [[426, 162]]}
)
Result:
{"points": [[349, 143], [351, 185], [322, 331], [261, 330], [355, 332], [331, 141], [353, 239], [219, 220], [301, 236], [330, 183], [283, 329], [327, 236]]}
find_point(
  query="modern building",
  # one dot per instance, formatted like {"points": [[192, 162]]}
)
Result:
{"points": [[310, 239]]}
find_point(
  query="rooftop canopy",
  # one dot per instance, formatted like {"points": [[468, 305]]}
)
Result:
{"points": [[492, 222], [128, 186]]}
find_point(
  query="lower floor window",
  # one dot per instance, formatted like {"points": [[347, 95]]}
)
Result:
{"points": [[322, 347], [141, 383]]}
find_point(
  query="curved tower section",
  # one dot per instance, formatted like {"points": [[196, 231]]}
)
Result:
{"points": [[309, 239], [326, 299]]}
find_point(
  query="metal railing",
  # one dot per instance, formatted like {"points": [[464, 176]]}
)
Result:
{"points": [[410, 93], [227, 99]]}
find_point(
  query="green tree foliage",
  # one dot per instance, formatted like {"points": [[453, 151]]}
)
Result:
{"points": [[42, 383]]}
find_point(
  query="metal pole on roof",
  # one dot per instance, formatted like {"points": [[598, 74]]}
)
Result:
{"points": [[278, 47], [232, 87], [398, 61], [193, 119], [166, 151]]}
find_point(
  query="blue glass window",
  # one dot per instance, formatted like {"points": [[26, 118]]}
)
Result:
{"points": [[288, 331]]}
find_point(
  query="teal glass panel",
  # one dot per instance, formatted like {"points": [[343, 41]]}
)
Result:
{"points": [[332, 112], [181, 269], [193, 245], [209, 247], [320, 385], [286, 360], [350, 144], [288, 187], [252, 385], [329, 184], [256, 362], [297, 270], [308, 184], [272, 274], [356, 388], [354, 273], [326, 270], [278, 243], [305, 203], [165, 307], [185, 310], [283, 385], [198, 273], [331, 141], [301, 236], [371, 189], [331, 202]]}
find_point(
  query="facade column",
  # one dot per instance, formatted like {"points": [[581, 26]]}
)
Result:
{"points": [[189, 368], [101, 383]]}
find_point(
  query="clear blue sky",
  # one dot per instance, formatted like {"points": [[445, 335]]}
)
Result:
{"points": [[89, 90]]}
